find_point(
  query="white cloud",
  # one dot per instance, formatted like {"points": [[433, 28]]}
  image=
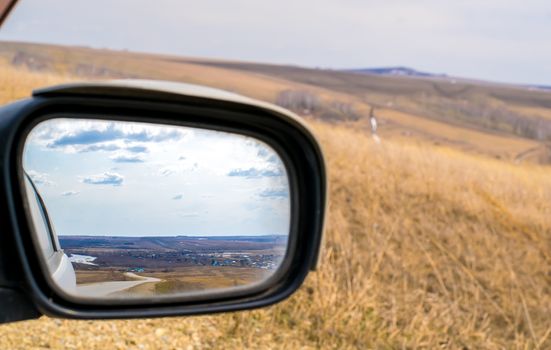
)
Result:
{"points": [[254, 173], [179, 168], [189, 215], [106, 178], [126, 158], [39, 178], [274, 193], [76, 136], [69, 193]]}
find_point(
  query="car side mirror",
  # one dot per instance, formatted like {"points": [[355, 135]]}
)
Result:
{"points": [[134, 198]]}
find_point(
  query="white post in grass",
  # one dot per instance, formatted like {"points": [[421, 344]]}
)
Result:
{"points": [[373, 122]]}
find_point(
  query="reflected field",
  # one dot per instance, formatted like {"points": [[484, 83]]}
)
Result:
{"points": [[118, 266]]}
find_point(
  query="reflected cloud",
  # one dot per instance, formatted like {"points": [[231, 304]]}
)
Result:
{"points": [[274, 193], [86, 137], [100, 147], [263, 153], [112, 133], [105, 136], [70, 193], [106, 178], [39, 178], [253, 173], [178, 168], [137, 149], [121, 158], [268, 156], [274, 159]]}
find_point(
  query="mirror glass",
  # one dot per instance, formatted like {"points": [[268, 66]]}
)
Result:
{"points": [[138, 210]]}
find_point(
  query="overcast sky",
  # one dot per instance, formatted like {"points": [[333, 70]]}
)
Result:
{"points": [[500, 40], [135, 179]]}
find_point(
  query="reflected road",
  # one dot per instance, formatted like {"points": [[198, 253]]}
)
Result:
{"points": [[103, 289]]}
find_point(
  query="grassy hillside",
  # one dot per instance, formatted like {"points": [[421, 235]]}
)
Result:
{"points": [[430, 243], [503, 121], [481, 105]]}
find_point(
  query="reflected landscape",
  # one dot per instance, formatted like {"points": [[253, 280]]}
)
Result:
{"points": [[174, 263], [139, 210]]}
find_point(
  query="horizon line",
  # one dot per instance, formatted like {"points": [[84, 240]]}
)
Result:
{"points": [[542, 87]]}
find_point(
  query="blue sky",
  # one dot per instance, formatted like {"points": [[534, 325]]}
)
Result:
{"points": [[135, 179], [500, 40]]}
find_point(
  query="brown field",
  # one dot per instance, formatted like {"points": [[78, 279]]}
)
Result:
{"points": [[198, 278], [440, 238], [178, 279], [94, 276]]}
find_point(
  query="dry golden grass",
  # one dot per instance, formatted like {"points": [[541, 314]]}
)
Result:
{"points": [[411, 99], [470, 140], [16, 84], [426, 247], [533, 111], [442, 247]]}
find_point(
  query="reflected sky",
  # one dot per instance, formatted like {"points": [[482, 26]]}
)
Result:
{"points": [[137, 179]]}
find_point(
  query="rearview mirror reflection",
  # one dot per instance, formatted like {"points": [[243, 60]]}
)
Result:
{"points": [[137, 210]]}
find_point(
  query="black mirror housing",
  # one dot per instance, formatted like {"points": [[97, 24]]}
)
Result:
{"points": [[21, 279]]}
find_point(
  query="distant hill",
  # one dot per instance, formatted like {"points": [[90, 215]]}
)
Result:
{"points": [[499, 120], [542, 87], [174, 243], [395, 71]]}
